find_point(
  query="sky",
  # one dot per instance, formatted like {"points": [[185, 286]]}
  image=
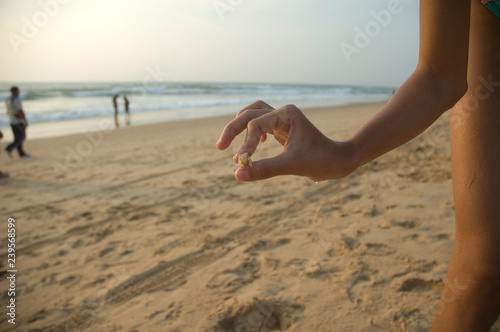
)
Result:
{"points": [[353, 42]]}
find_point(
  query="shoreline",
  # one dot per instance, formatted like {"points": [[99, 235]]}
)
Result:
{"points": [[91, 124]]}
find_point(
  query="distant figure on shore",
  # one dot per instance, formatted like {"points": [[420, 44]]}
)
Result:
{"points": [[115, 105], [2, 174], [127, 114], [18, 123]]}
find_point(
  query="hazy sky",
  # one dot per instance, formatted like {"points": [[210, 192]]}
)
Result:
{"points": [[371, 42]]}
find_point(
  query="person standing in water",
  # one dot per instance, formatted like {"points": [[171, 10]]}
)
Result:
{"points": [[115, 105], [127, 113]]}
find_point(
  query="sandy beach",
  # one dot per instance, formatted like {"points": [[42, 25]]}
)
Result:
{"points": [[145, 229]]}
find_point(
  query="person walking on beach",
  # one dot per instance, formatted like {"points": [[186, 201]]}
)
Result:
{"points": [[2, 174], [127, 114], [458, 69], [115, 105], [18, 123]]}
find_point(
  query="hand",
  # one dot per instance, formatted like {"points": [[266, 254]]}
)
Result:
{"points": [[306, 151]]}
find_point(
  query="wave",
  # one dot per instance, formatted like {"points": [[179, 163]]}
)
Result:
{"points": [[32, 91], [55, 101]]}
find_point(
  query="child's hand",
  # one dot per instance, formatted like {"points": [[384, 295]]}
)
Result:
{"points": [[306, 151]]}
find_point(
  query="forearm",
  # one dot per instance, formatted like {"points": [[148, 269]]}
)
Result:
{"points": [[23, 116], [420, 101]]}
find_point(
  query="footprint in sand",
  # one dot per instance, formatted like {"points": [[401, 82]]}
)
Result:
{"points": [[87, 215], [419, 285], [379, 249], [141, 216], [350, 197], [69, 280], [350, 242], [408, 224], [257, 316], [265, 244], [443, 236], [229, 281], [358, 287], [106, 251], [77, 244], [174, 311]]}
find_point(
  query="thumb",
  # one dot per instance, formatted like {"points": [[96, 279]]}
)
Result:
{"points": [[263, 169]]}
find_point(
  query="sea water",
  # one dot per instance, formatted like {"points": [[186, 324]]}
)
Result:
{"points": [[167, 101]]}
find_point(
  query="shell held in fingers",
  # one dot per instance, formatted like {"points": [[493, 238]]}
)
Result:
{"points": [[244, 160]]}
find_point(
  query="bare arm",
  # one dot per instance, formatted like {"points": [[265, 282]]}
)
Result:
{"points": [[23, 116], [437, 83]]}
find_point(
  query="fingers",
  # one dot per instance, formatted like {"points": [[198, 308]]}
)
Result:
{"points": [[260, 119], [264, 169], [236, 126], [239, 124], [278, 122], [258, 105], [257, 128]]}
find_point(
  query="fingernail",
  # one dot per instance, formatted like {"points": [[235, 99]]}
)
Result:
{"points": [[242, 174]]}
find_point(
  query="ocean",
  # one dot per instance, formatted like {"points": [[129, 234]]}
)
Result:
{"points": [[55, 102]]}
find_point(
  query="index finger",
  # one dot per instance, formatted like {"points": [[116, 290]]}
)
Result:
{"points": [[237, 125], [257, 105], [258, 126]]}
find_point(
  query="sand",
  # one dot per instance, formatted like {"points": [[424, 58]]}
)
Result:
{"points": [[146, 229]]}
